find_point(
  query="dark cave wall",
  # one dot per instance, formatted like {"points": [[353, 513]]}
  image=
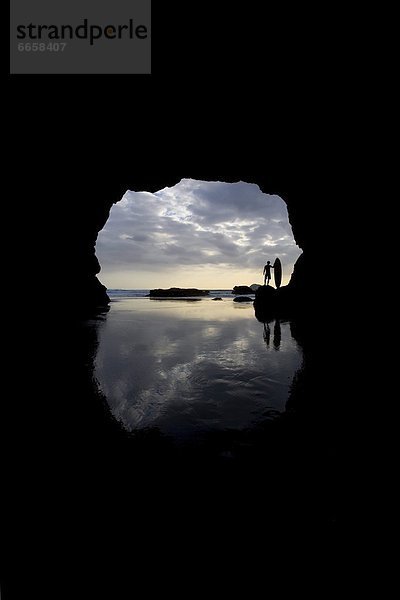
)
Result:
{"points": [[95, 201]]}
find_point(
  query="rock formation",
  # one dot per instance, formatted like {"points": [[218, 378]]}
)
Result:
{"points": [[242, 289], [265, 302], [177, 293]]}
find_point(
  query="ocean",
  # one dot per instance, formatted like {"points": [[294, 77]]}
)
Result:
{"points": [[143, 293]]}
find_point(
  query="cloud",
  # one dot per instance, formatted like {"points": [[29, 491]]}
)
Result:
{"points": [[197, 224]]}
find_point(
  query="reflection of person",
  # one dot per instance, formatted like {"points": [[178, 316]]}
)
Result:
{"points": [[267, 272], [267, 333], [277, 334]]}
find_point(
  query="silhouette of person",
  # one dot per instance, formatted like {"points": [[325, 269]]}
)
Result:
{"points": [[267, 272]]}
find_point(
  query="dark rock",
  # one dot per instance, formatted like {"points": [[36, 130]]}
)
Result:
{"points": [[98, 292], [243, 299], [255, 286], [217, 298], [93, 295], [177, 293], [284, 302], [242, 289], [265, 303], [266, 293]]}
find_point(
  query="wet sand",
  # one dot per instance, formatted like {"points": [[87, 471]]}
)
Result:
{"points": [[190, 370]]}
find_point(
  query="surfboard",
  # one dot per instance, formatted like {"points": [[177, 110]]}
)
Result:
{"points": [[277, 273]]}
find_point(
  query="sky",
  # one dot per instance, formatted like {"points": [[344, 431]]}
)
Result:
{"points": [[208, 235]]}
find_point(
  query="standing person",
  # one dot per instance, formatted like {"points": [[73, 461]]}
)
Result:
{"points": [[267, 272]]}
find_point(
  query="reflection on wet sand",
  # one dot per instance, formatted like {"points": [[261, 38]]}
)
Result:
{"points": [[192, 369], [277, 334], [161, 299], [267, 333]]}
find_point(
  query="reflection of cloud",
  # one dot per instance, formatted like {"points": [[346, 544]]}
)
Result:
{"points": [[196, 224], [211, 331], [192, 371]]}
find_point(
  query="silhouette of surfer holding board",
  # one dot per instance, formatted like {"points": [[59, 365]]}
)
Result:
{"points": [[267, 272]]}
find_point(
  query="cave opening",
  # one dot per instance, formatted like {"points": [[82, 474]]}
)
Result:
{"points": [[196, 233], [194, 371]]}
